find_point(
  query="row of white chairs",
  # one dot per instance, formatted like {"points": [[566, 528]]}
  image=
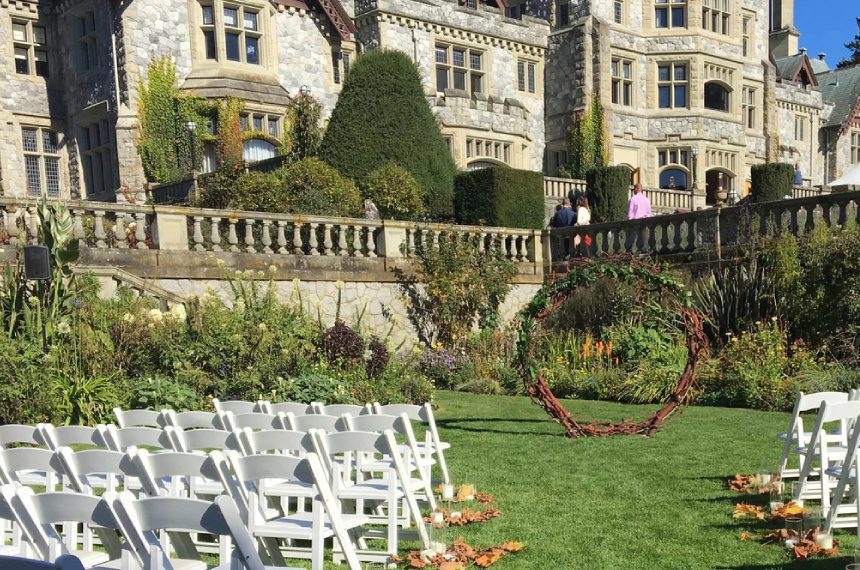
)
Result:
{"points": [[65, 562]]}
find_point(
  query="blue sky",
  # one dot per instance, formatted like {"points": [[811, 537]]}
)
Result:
{"points": [[825, 25]]}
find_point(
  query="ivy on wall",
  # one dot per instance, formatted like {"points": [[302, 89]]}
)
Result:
{"points": [[229, 137], [302, 132], [587, 141]]}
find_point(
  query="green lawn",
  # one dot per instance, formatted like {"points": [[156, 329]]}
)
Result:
{"points": [[617, 503]]}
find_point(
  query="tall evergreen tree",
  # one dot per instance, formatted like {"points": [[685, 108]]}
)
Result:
{"points": [[382, 116], [854, 46]]}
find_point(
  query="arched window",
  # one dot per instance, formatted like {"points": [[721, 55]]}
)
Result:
{"points": [[485, 163], [717, 96], [674, 164], [673, 179], [258, 149]]}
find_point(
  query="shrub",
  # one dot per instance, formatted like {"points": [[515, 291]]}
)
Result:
{"points": [[608, 193], [315, 188], [159, 392], [86, 400], [771, 181], [442, 366], [259, 192], [378, 361], [502, 197], [304, 134], [216, 190], [395, 192], [25, 396], [341, 345], [382, 115], [313, 386]]}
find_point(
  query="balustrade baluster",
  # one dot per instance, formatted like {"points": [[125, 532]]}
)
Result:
{"points": [[249, 236], [119, 231], [819, 217], [198, 233], [435, 239], [652, 237], [215, 234], [12, 226], [99, 229], [313, 241], [524, 251], [665, 228], [140, 230], [371, 242], [356, 242], [282, 237], [77, 224], [33, 225], [410, 242], [266, 239], [232, 238], [341, 240], [298, 248], [327, 239]]}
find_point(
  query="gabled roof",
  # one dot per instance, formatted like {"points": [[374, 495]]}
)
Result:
{"points": [[333, 9], [795, 68], [841, 87]]}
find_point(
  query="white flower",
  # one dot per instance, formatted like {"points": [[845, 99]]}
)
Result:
{"points": [[33, 301], [272, 269], [155, 314], [64, 328], [220, 263], [262, 327], [128, 317], [339, 284], [261, 275], [178, 312]]}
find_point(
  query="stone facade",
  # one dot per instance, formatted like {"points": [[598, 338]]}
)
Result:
{"points": [[499, 121]]}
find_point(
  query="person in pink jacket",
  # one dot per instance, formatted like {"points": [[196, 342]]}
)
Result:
{"points": [[639, 205]]}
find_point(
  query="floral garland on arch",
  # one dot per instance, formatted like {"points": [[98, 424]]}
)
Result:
{"points": [[553, 295]]}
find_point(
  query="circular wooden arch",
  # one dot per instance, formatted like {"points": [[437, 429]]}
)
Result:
{"points": [[553, 295]]}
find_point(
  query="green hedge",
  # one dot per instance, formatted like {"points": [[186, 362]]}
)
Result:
{"points": [[382, 116], [771, 182], [608, 193], [498, 196]]}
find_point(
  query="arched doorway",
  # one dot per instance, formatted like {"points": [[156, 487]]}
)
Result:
{"points": [[717, 180]]}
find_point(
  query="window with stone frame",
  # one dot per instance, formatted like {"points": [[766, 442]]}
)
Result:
{"points": [[670, 13], [672, 85], [259, 122], [526, 76], [41, 161], [563, 13], [718, 97], [517, 11], [232, 32], [800, 128], [96, 150], [622, 81], [749, 107], [30, 40], [459, 68], [855, 147], [340, 61], [747, 46], [674, 168], [716, 16], [87, 46], [618, 11], [483, 148]]}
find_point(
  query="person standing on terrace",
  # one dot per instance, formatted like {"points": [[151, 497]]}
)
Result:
{"points": [[639, 205]]}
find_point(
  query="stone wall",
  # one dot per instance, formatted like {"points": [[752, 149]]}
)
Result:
{"points": [[804, 103]]}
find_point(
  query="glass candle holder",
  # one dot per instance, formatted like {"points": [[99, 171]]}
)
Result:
{"points": [[824, 540], [795, 492], [794, 526], [777, 490], [447, 491], [466, 492], [438, 532]]}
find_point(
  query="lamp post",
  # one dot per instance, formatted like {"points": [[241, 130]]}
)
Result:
{"points": [[192, 127]]}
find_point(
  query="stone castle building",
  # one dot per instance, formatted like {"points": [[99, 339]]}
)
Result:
{"points": [[695, 91], [72, 69]]}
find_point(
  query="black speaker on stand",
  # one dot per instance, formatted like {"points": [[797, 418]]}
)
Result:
{"points": [[37, 263]]}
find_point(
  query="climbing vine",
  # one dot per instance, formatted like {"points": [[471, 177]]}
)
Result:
{"points": [[229, 133], [302, 132], [587, 141], [554, 294]]}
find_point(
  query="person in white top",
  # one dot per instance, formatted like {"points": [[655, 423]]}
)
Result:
{"points": [[583, 218]]}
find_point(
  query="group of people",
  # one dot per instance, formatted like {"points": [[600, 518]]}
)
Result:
{"points": [[638, 207]]}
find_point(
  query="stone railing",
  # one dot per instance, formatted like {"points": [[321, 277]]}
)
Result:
{"points": [[561, 187], [710, 231], [110, 227]]}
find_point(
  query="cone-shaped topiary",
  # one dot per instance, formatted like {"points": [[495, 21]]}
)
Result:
{"points": [[382, 116]]}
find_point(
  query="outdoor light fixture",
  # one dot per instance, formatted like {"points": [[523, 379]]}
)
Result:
{"points": [[694, 153]]}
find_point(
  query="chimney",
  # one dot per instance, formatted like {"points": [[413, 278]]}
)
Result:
{"points": [[802, 51], [821, 56]]}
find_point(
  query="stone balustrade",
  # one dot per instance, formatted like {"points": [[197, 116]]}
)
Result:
{"points": [[559, 188], [706, 232]]}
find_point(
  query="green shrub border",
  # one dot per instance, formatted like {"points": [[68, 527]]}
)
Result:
{"points": [[553, 295]]}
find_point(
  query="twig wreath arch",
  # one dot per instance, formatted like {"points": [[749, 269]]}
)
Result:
{"points": [[553, 295]]}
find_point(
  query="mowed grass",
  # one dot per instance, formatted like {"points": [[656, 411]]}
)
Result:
{"points": [[627, 502]]}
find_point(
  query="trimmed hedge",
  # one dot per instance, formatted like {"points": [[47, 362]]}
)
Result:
{"points": [[771, 181], [382, 116], [608, 193], [498, 196], [395, 192]]}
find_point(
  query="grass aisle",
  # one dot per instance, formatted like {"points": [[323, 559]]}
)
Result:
{"points": [[618, 503]]}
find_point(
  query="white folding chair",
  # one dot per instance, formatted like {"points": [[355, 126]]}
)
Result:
{"points": [[432, 444], [245, 480], [120, 439], [236, 406], [138, 418], [64, 562], [177, 474], [140, 518], [101, 469], [820, 452], [296, 408], [18, 434], [31, 466], [844, 509], [11, 543], [202, 440], [280, 441], [252, 420], [192, 420], [341, 409], [40, 514], [306, 423], [344, 455], [796, 436], [80, 436]]}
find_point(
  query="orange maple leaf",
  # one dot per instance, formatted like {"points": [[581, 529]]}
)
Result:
{"points": [[489, 558], [747, 511], [512, 546], [452, 565]]}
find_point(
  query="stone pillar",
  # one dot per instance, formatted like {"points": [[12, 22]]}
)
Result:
{"points": [[390, 240], [170, 231], [131, 176]]}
